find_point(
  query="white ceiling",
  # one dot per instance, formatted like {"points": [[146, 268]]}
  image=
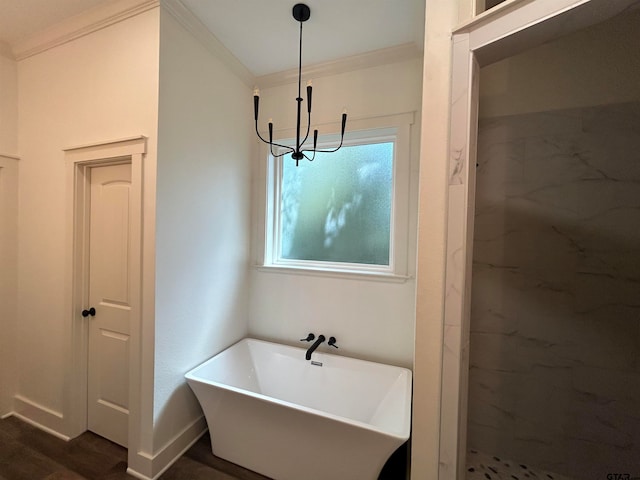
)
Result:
{"points": [[264, 36], [261, 34]]}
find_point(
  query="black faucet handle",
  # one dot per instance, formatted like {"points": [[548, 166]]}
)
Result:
{"points": [[310, 337], [332, 342]]}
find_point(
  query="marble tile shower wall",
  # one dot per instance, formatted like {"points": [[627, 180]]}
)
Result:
{"points": [[555, 320]]}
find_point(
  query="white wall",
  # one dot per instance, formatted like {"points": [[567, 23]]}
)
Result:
{"points": [[593, 66], [98, 87], [203, 220], [371, 319], [8, 103], [8, 279], [8, 227]]}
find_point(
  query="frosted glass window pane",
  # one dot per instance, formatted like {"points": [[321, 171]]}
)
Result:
{"points": [[338, 207]]}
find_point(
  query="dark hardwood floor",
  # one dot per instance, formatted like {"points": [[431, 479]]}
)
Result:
{"points": [[27, 453]]}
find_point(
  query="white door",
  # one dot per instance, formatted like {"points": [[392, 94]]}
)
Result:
{"points": [[109, 330]]}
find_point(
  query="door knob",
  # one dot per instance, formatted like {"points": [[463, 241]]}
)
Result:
{"points": [[91, 311]]}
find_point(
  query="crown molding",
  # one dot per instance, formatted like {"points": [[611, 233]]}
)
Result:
{"points": [[194, 25], [108, 14], [80, 25], [374, 58]]}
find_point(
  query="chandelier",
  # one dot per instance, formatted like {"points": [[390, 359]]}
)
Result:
{"points": [[301, 13]]}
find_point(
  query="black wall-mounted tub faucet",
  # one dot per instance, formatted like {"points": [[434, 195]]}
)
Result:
{"points": [[315, 345]]}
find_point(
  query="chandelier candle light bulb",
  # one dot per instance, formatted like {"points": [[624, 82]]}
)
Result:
{"points": [[301, 13]]}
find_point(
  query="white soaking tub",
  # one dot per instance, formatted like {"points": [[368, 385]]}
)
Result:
{"points": [[273, 412]]}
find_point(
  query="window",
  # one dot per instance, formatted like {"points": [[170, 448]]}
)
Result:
{"points": [[343, 212], [337, 209]]}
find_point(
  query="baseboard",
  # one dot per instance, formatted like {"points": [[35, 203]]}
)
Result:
{"points": [[143, 465], [143, 460], [150, 467], [39, 416]]}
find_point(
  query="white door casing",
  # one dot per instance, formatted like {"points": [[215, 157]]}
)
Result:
{"points": [[81, 161], [109, 331]]}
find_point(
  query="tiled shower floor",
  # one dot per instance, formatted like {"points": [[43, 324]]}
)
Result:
{"points": [[481, 466]]}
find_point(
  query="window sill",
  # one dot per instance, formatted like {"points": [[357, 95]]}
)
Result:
{"points": [[320, 272]]}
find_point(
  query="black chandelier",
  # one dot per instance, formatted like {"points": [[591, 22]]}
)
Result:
{"points": [[301, 13]]}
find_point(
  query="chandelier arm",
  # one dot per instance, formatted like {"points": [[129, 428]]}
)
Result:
{"points": [[273, 154], [272, 144], [271, 151], [291, 150], [258, 134], [287, 147], [344, 124], [308, 130], [282, 154], [330, 151], [314, 150]]}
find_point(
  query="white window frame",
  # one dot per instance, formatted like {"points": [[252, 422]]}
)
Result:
{"points": [[395, 128]]}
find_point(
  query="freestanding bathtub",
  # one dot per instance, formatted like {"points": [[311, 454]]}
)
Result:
{"points": [[273, 412]]}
